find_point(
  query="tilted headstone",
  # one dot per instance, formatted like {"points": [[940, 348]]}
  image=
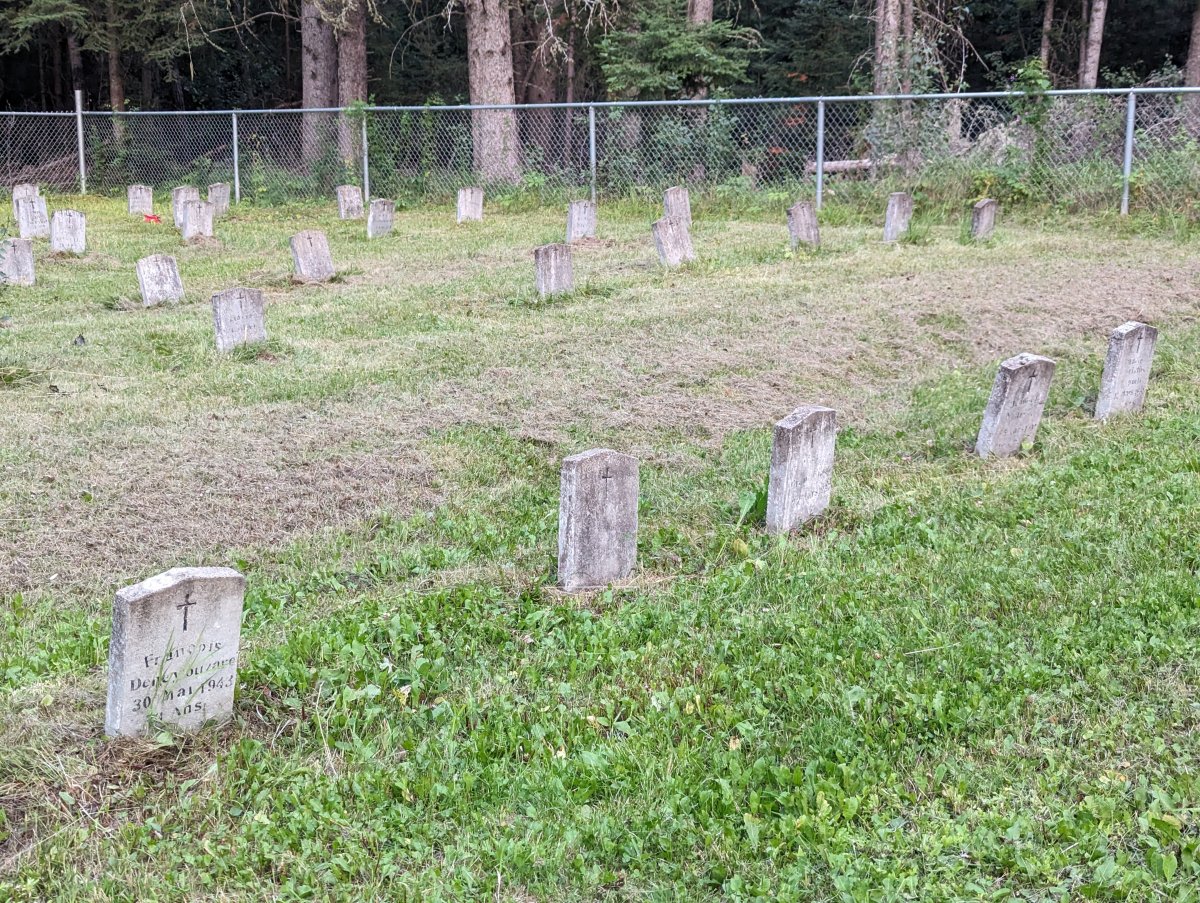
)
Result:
{"points": [[24, 190], [218, 196], [597, 519], [380, 218], [197, 220], [68, 232], [16, 261], [899, 215], [983, 219], [801, 467], [581, 220], [350, 202], [470, 205], [172, 659], [310, 256], [141, 200], [1126, 369], [1015, 406], [158, 279], [180, 196], [677, 204], [673, 241], [802, 225], [238, 317], [32, 219], [553, 267]]}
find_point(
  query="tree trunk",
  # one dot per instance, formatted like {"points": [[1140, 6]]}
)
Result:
{"points": [[56, 69], [352, 76], [907, 34], [148, 100], [569, 113], [75, 57], [116, 76], [1191, 71], [497, 151], [318, 72], [887, 35], [1047, 29], [700, 12], [1090, 70]]}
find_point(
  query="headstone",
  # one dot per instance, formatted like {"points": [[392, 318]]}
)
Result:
{"points": [[32, 219], [597, 519], [158, 279], [677, 205], [1126, 369], [554, 273], [350, 202], [141, 200], [802, 225], [218, 196], [179, 197], [238, 317], [24, 190], [16, 261], [1014, 408], [581, 220], [983, 219], [673, 241], [68, 232], [801, 467], [172, 658], [197, 220], [470, 205], [310, 255], [380, 218], [899, 215]]}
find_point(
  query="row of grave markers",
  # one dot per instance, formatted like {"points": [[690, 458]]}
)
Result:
{"points": [[174, 649]]}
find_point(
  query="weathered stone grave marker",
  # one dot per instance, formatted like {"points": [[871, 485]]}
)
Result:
{"points": [[581, 220], [552, 264], [179, 197], [197, 220], [1015, 406], [310, 256], [350, 202], [32, 219], [801, 467], [218, 196], [597, 519], [380, 218], [238, 317], [470, 205], [172, 659], [24, 190], [983, 219], [1126, 369], [673, 241], [802, 225], [141, 200], [68, 232], [898, 216], [677, 204], [158, 279], [16, 261]]}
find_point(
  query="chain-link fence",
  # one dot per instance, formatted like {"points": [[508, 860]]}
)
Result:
{"points": [[1114, 150]]}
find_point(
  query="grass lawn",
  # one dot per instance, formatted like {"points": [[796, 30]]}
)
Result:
{"points": [[969, 680]]}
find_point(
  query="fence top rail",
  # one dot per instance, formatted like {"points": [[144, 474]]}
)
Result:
{"points": [[602, 104]]}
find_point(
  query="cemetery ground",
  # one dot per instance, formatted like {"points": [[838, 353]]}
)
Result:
{"points": [[967, 680]]}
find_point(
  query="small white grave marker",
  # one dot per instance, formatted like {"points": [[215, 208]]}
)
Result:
{"points": [[552, 264], [158, 279], [801, 467], [68, 232], [310, 256], [180, 196], [380, 218], [1015, 406], [238, 317], [802, 225], [141, 200], [350, 202], [32, 219], [677, 204], [898, 216], [470, 205], [197, 220], [24, 190], [673, 241], [16, 261], [597, 519], [581, 220], [983, 219], [218, 196], [1126, 369]]}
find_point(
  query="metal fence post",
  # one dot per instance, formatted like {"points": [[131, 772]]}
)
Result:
{"points": [[79, 140], [237, 171], [366, 162], [592, 146], [1130, 120], [820, 152]]}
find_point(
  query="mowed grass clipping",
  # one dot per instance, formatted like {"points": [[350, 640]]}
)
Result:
{"points": [[967, 681]]}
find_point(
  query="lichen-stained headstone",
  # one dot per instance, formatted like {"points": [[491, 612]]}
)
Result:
{"points": [[581, 220], [470, 205], [673, 241], [1126, 369], [677, 204], [24, 190], [801, 467], [350, 202], [802, 225], [16, 261], [32, 219], [238, 317], [197, 220], [380, 218], [898, 217], [1015, 406], [180, 196], [173, 656], [310, 256], [141, 200], [983, 219], [552, 264], [218, 196], [68, 232], [158, 279], [597, 519]]}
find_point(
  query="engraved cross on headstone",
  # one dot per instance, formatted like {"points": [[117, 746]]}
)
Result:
{"points": [[185, 605]]}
